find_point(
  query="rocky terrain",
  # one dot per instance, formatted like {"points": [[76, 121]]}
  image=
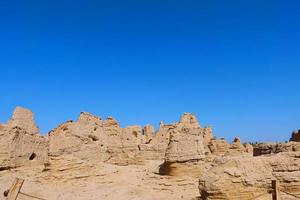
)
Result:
{"points": [[94, 158]]}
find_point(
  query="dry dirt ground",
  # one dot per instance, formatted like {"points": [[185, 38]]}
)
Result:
{"points": [[81, 180]]}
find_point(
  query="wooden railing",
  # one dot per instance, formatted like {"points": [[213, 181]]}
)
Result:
{"points": [[15, 191]]}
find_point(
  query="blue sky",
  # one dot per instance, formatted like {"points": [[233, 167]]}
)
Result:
{"points": [[235, 64]]}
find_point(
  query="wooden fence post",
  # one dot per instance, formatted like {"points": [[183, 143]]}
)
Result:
{"points": [[274, 190], [15, 189]]}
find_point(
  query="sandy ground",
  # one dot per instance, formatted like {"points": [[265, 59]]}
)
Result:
{"points": [[81, 180]]}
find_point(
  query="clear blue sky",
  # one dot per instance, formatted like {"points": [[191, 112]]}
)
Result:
{"points": [[235, 64]]}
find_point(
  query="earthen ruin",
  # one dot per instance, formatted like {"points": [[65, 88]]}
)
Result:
{"points": [[91, 158]]}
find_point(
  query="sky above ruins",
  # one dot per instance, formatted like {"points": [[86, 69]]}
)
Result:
{"points": [[235, 64]]}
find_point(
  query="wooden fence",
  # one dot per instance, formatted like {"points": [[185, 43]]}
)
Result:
{"points": [[15, 191]]}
